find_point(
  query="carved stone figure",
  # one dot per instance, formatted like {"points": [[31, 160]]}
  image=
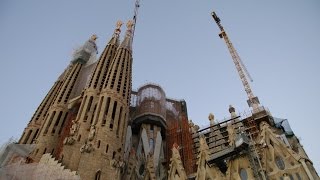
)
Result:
{"points": [[92, 133], [211, 119], [87, 147], [231, 133], [69, 140], [193, 128], [74, 127]]}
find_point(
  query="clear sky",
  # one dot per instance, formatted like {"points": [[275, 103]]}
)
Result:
{"points": [[177, 46]]}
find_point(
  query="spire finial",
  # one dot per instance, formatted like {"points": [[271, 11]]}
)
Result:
{"points": [[94, 37], [130, 25], [118, 27]]}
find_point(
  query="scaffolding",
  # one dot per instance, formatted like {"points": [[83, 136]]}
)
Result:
{"points": [[72, 114], [232, 138], [151, 99], [179, 132]]}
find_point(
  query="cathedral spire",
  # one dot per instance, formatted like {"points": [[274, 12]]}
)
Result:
{"points": [[100, 72], [102, 119], [127, 42], [57, 114]]}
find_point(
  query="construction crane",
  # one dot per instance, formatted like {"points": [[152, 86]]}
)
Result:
{"points": [[253, 101]]}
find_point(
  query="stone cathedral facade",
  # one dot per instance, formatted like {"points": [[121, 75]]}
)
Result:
{"points": [[91, 125]]}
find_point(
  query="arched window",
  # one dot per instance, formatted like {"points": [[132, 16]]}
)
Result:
{"points": [[107, 148], [280, 163], [243, 174], [45, 150], [98, 175]]}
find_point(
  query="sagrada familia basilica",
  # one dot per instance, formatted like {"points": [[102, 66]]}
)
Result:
{"points": [[92, 125]]}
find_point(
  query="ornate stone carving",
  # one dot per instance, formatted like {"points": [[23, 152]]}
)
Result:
{"points": [[69, 140], [87, 147], [176, 170], [130, 25], [118, 27], [118, 165]]}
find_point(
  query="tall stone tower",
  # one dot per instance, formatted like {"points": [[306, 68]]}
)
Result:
{"points": [[149, 130], [48, 121], [31, 131], [95, 143]]}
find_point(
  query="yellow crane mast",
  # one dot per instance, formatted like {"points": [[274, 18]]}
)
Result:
{"points": [[253, 101]]}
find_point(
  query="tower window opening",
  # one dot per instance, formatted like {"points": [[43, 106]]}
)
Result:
{"points": [[35, 135], [79, 137], [123, 125], [89, 104], [64, 120], [107, 148], [104, 120], [52, 151], [44, 151], [99, 108], [27, 138], [113, 114], [98, 145], [243, 174], [120, 76], [97, 78], [114, 110], [56, 123], [94, 110], [115, 72], [88, 108], [119, 120], [83, 104], [98, 175], [49, 123]]}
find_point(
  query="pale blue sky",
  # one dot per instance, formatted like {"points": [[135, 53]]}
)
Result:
{"points": [[177, 46]]}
